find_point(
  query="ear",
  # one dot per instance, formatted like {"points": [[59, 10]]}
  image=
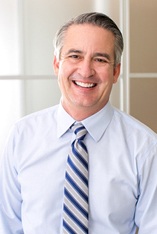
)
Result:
{"points": [[56, 65], [116, 73]]}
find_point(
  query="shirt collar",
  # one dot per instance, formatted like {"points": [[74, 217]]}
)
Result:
{"points": [[95, 124], [98, 123], [64, 121]]}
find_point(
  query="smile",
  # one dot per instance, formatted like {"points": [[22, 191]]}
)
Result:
{"points": [[85, 85]]}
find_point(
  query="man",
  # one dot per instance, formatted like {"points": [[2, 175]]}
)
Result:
{"points": [[121, 152]]}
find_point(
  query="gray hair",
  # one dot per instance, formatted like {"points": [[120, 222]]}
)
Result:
{"points": [[97, 19]]}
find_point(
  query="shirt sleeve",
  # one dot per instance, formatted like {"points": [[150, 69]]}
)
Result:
{"points": [[146, 209], [10, 196]]}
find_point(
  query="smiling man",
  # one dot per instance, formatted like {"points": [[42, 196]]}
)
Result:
{"points": [[86, 69], [81, 166]]}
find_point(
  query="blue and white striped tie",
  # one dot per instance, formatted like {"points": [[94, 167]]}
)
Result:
{"points": [[75, 208]]}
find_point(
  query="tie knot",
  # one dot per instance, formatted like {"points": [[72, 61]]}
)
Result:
{"points": [[80, 131]]}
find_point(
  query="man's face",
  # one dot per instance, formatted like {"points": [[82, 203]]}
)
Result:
{"points": [[86, 69]]}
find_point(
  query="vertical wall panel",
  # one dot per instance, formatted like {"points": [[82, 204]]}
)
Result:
{"points": [[9, 38], [143, 61]]}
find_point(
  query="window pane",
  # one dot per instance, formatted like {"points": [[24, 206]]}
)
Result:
{"points": [[143, 100], [9, 51], [143, 18], [11, 104]]}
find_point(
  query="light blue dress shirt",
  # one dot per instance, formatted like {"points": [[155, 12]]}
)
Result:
{"points": [[122, 173]]}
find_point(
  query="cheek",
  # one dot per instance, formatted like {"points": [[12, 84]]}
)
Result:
{"points": [[63, 71], [63, 82], [107, 80], [106, 76]]}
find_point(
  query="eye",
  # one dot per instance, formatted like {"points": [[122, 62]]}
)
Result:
{"points": [[101, 60], [74, 56]]}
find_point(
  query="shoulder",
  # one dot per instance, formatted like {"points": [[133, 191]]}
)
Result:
{"points": [[132, 126], [37, 122], [41, 115], [140, 140]]}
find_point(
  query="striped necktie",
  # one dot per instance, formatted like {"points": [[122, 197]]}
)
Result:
{"points": [[75, 207]]}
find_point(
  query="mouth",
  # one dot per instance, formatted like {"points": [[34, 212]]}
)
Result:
{"points": [[84, 85]]}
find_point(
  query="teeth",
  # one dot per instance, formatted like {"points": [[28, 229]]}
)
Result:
{"points": [[86, 85]]}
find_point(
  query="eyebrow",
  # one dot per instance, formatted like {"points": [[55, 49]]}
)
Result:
{"points": [[97, 54], [74, 51], [104, 55]]}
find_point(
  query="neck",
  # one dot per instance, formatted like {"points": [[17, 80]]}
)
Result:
{"points": [[81, 113]]}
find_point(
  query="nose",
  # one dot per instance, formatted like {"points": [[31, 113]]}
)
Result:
{"points": [[86, 68]]}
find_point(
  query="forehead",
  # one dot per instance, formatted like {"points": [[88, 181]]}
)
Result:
{"points": [[88, 36]]}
